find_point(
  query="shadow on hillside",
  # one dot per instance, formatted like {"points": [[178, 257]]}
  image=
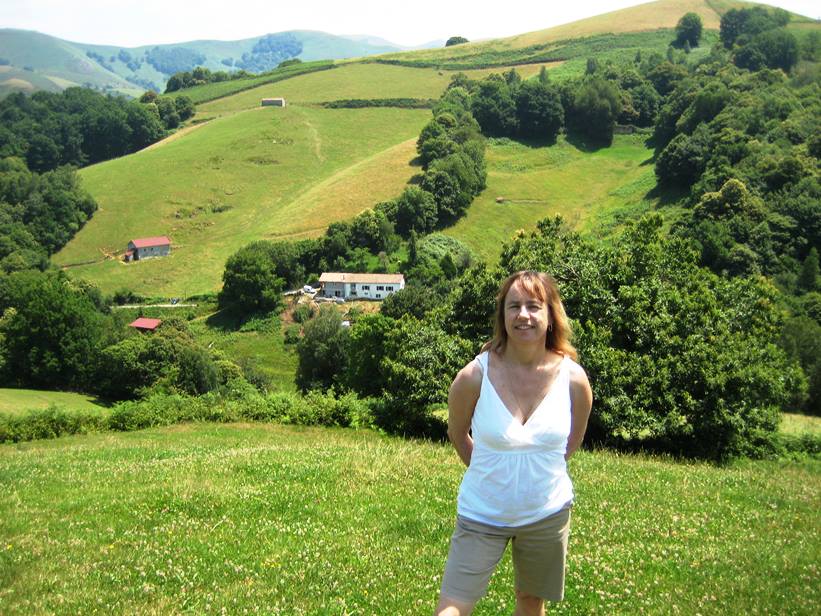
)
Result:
{"points": [[227, 321], [585, 144], [667, 195], [535, 142]]}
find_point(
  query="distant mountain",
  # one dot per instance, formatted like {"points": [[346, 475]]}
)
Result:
{"points": [[32, 61]]}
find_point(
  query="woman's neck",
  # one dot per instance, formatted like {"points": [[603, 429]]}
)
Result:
{"points": [[525, 354]]}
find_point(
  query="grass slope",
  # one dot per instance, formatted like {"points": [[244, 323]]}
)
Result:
{"points": [[279, 520], [642, 18], [348, 80], [589, 189], [232, 182], [17, 401]]}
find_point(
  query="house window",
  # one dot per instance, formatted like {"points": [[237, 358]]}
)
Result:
{"points": [[380, 288], [366, 287], [378, 296], [389, 288]]}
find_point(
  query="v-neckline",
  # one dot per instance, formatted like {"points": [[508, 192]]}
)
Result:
{"points": [[537, 407]]}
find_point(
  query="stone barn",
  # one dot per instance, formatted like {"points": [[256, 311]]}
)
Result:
{"points": [[273, 102]]}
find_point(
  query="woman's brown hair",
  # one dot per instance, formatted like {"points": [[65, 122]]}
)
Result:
{"points": [[543, 287]]}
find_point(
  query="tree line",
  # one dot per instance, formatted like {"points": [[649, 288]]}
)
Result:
{"points": [[81, 127]]}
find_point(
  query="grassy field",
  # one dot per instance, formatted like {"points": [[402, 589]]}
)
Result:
{"points": [[795, 424], [597, 189], [17, 401], [211, 519], [238, 179], [645, 17], [352, 80]]}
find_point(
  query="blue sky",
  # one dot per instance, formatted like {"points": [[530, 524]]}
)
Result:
{"points": [[130, 23]]}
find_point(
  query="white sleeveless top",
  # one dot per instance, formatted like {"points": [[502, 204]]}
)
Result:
{"points": [[517, 473]]}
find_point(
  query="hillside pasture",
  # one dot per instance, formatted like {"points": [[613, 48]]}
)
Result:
{"points": [[591, 190], [18, 401], [353, 80], [234, 181], [644, 18], [239, 518]]}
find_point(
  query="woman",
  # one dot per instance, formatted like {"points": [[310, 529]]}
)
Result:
{"points": [[516, 414]]}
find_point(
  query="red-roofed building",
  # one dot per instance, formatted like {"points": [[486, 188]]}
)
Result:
{"points": [[145, 325], [147, 247]]}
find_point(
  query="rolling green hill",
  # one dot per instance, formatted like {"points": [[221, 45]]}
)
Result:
{"points": [[244, 173], [49, 63], [251, 175], [54, 64]]}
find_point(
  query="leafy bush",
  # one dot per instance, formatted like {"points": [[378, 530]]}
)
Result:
{"points": [[680, 360], [51, 422]]}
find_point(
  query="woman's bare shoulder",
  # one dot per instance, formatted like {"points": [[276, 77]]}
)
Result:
{"points": [[469, 379], [577, 374]]}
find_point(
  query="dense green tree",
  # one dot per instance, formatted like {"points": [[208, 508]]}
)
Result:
{"points": [[413, 300], [456, 40], [683, 159], [372, 230], [596, 105], [539, 110], [51, 334], [322, 351], [415, 209], [367, 348], [771, 49], [494, 108], [808, 278], [665, 76], [688, 30], [418, 365], [250, 281]]}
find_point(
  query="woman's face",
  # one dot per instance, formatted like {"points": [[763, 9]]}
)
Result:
{"points": [[526, 316]]}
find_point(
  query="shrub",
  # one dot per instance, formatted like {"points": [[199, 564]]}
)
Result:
{"points": [[303, 313], [51, 422]]}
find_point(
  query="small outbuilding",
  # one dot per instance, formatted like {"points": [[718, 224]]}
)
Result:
{"points": [[145, 324], [360, 286], [273, 102], [147, 247]]}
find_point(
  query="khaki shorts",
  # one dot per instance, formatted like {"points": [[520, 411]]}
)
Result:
{"points": [[539, 552]]}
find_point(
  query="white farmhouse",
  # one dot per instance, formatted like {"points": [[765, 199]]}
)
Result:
{"points": [[360, 286]]}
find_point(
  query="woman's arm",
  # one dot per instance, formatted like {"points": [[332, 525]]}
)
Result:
{"points": [[581, 401], [462, 397]]}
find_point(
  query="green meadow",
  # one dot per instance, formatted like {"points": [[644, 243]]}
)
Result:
{"points": [[17, 401], [362, 80], [235, 180], [591, 190], [252, 518]]}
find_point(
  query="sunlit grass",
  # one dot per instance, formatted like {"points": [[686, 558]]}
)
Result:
{"points": [[238, 179], [16, 401], [591, 190], [281, 520]]}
